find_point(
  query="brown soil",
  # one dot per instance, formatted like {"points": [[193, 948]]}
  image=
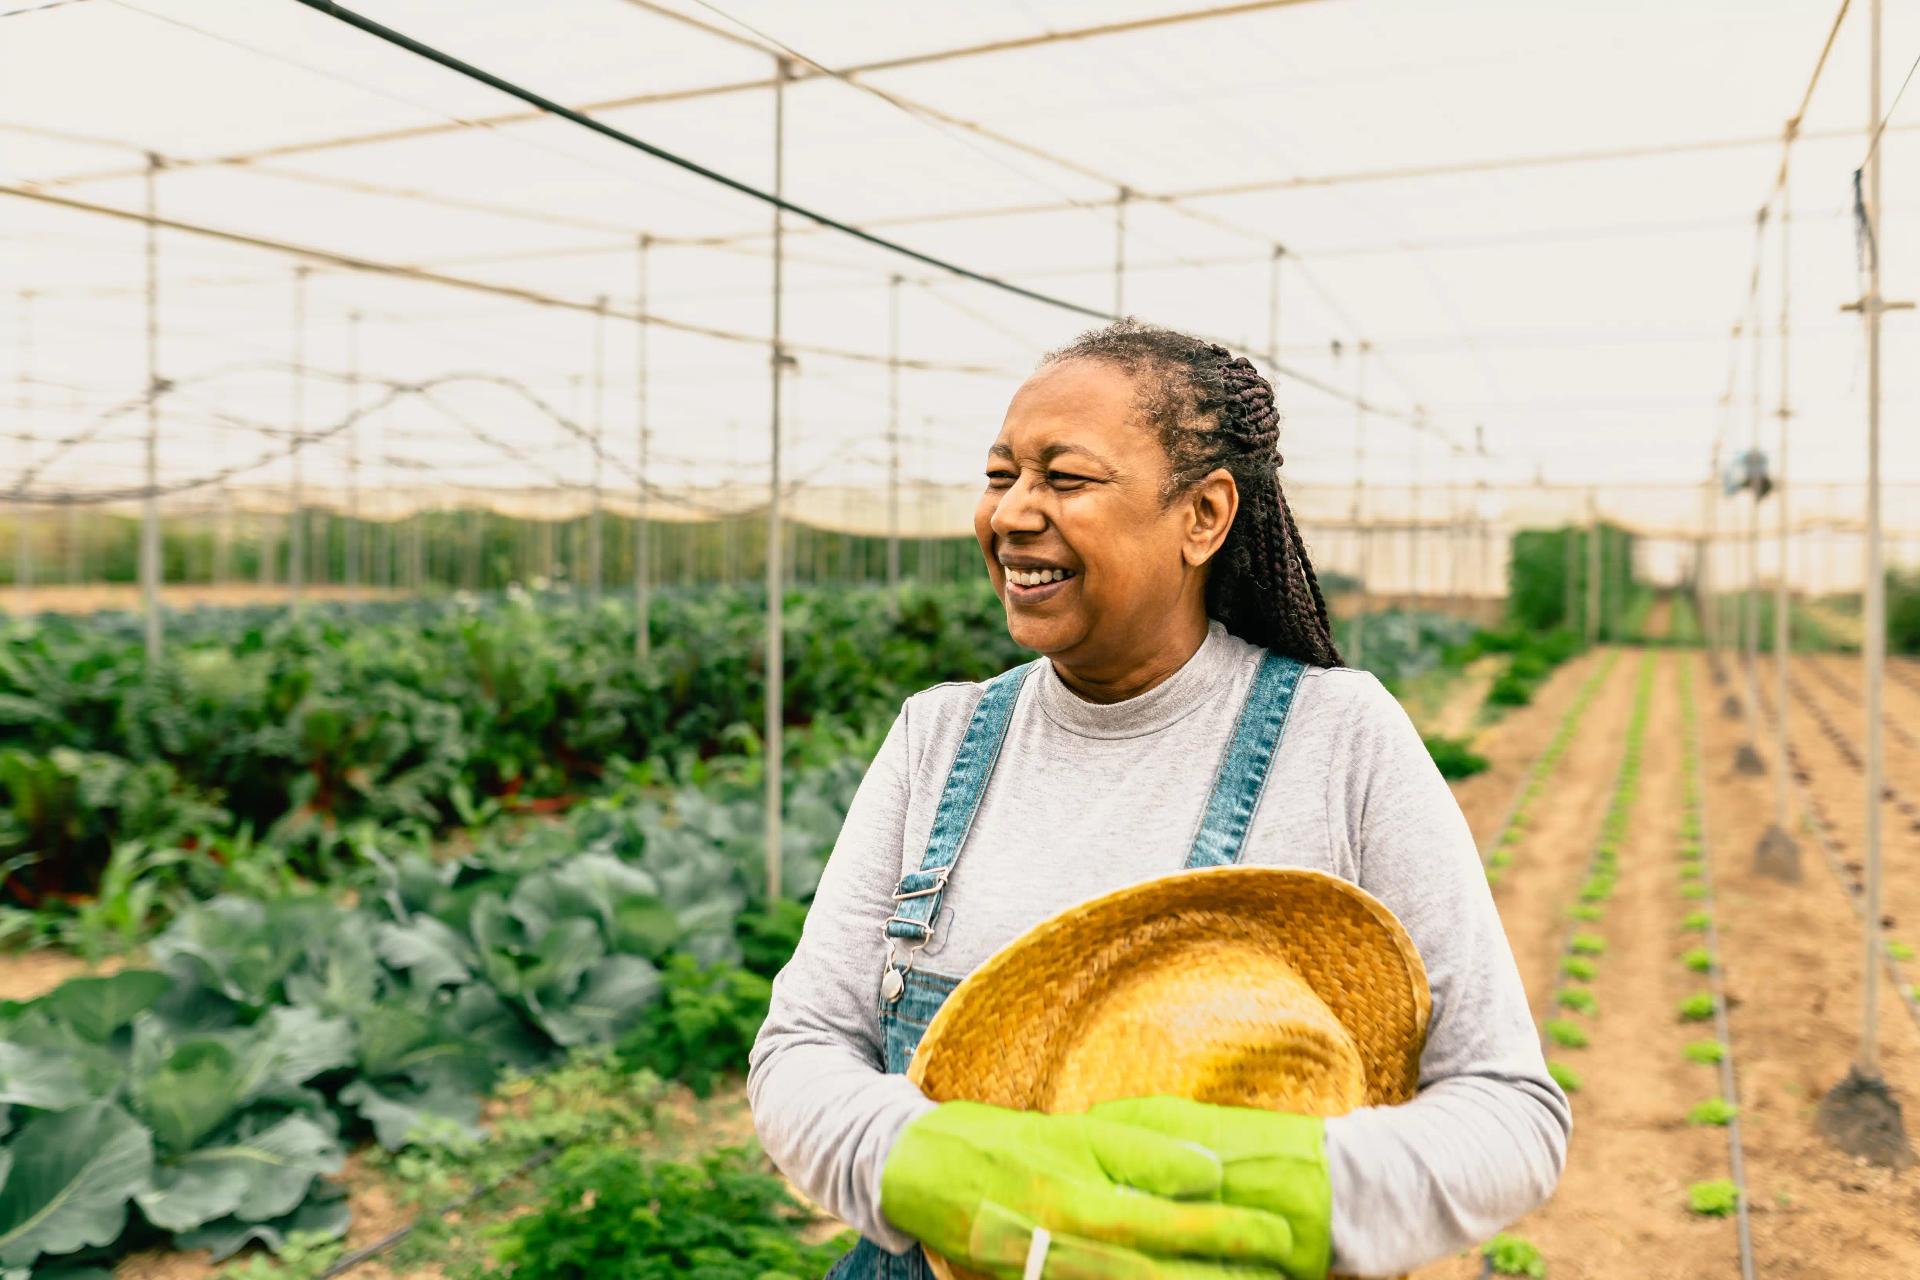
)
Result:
{"points": [[1792, 962], [1620, 1210], [27, 975], [92, 598], [1513, 742]]}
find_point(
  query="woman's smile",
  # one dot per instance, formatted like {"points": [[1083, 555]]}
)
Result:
{"points": [[1030, 585]]}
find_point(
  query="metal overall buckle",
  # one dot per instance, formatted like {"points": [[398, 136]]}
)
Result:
{"points": [[893, 983]]}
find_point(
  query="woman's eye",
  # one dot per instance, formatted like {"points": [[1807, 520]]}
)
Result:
{"points": [[999, 479], [1066, 480]]}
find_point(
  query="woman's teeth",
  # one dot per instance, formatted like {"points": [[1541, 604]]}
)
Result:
{"points": [[1036, 577]]}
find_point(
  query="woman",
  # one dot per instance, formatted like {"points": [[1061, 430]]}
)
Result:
{"points": [[1133, 523]]}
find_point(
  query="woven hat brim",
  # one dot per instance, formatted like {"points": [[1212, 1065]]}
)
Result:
{"points": [[999, 1035]]}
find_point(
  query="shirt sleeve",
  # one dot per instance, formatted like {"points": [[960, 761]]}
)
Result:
{"points": [[825, 1111], [1485, 1138]]}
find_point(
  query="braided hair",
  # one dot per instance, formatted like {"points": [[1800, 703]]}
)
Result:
{"points": [[1212, 409]]}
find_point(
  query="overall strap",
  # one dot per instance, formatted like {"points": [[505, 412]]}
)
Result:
{"points": [[917, 896], [1242, 775]]}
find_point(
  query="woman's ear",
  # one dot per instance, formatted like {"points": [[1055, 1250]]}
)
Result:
{"points": [[1210, 511]]}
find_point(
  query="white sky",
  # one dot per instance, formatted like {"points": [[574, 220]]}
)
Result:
{"points": [[1579, 312]]}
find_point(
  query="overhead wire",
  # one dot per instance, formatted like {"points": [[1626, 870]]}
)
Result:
{"points": [[540, 101]]}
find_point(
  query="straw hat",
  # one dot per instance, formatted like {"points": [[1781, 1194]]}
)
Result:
{"points": [[1281, 988]]}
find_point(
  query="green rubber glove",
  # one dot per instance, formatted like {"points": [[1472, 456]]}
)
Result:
{"points": [[971, 1182], [1273, 1161]]}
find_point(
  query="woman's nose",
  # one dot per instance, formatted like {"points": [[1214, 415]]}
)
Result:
{"points": [[1016, 511]]}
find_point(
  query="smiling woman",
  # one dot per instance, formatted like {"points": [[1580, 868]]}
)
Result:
{"points": [[1189, 711]]}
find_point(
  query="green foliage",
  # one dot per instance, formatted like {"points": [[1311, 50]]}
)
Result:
{"points": [[1697, 1007], [1698, 959], [1707, 1052], [1587, 944], [1579, 968], [1453, 756], [1713, 1111], [417, 717], [1564, 1076], [1566, 1034], [1693, 892], [1899, 951], [1538, 591], [1577, 999], [768, 935], [1689, 872], [610, 1213], [1696, 922], [703, 1027], [1713, 1199], [1586, 911], [1903, 611], [1510, 1255]]}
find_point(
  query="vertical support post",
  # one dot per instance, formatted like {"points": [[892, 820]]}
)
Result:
{"points": [[353, 531], [642, 548], [1120, 251], [1273, 310], [774, 744], [1782, 619], [1415, 578], [594, 577], [1360, 497], [1703, 571], [1569, 605], [297, 424], [150, 499], [1750, 616], [1874, 639], [1593, 568], [893, 436], [22, 514]]}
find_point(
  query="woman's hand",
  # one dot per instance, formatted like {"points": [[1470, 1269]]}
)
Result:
{"points": [[1273, 1161], [973, 1183]]}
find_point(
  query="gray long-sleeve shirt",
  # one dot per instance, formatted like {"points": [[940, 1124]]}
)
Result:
{"points": [[1087, 798]]}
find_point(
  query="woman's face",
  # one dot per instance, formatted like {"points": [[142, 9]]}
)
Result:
{"points": [[1093, 569]]}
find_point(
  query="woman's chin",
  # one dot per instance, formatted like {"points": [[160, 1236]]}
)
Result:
{"points": [[1042, 634]]}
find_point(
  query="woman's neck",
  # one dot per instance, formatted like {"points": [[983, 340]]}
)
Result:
{"points": [[1115, 678]]}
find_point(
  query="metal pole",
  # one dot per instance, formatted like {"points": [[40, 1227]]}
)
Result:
{"points": [[1415, 580], [1273, 305], [774, 745], [1782, 628], [1120, 251], [599, 440], [296, 517], [1874, 641], [1570, 604], [1703, 571], [893, 435], [642, 566], [353, 457], [1750, 616], [1359, 495], [150, 500], [1593, 568], [22, 522]]}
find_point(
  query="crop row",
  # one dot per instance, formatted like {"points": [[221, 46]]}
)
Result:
{"points": [[1580, 957], [1513, 829], [1715, 1197], [1817, 819], [303, 729], [206, 1100]]}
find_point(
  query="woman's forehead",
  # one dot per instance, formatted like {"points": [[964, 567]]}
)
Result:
{"points": [[1083, 401]]}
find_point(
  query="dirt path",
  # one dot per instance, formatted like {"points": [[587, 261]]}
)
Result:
{"points": [[27, 975], [94, 597], [1620, 1208], [1793, 973], [1551, 859], [1514, 742]]}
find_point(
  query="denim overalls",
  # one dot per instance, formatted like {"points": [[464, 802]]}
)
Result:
{"points": [[909, 997]]}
